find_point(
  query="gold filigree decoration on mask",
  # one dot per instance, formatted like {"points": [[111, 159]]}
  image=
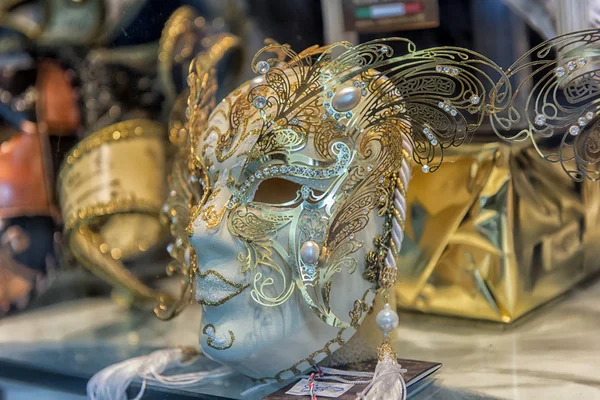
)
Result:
{"points": [[285, 138], [325, 134], [381, 154], [435, 97], [562, 103], [257, 228], [234, 290], [360, 309], [188, 180], [212, 216], [230, 180], [216, 342], [248, 223], [376, 270], [310, 359], [240, 116]]}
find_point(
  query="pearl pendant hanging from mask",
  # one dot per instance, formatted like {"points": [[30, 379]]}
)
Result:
{"points": [[387, 319]]}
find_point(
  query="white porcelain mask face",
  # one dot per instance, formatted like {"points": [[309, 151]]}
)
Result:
{"points": [[301, 167], [281, 241]]}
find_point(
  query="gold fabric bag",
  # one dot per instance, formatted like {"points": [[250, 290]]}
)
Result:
{"points": [[494, 233]]}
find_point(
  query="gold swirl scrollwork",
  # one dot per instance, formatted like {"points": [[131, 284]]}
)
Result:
{"points": [[562, 103], [257, 228], [216, 341], [444, 89], [435, 98], [189, 186]]}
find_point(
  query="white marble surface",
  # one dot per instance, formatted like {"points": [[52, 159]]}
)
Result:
{"points": [[552, 354]]}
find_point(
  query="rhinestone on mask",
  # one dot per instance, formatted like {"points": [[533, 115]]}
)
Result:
{"points": [[574, 130], [540, 119], [260, 102], [343, 160], [445, 69], [262, 67]]}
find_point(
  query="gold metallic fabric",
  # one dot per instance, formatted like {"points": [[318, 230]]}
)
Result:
{"points": [[494, 233]]}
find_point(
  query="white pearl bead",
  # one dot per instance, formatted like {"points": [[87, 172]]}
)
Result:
{"points": [[346, 99], [212, 138], [259, 80], [309, 252], [387, 319]]}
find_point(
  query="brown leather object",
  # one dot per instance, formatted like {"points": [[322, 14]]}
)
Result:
{"points": [[24, 186], [57, 109]]}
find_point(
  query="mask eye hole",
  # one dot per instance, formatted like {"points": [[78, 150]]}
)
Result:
{"points": [[276, 191]]}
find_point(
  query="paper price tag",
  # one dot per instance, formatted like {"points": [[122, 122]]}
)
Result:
{"points": [[322, 389]]}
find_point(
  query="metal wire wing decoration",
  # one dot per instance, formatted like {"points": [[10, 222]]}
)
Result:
{"points": [[563, 102], [438, 94]]}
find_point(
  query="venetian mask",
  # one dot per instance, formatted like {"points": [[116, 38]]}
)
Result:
{"points": [[297, 183], [281, 241]]}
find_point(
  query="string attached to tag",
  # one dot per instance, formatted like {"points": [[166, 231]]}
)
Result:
{"points": [[386, 383]]}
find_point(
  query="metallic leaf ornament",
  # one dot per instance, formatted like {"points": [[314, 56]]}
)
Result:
{"points": [[563, 103], [296, 182]]}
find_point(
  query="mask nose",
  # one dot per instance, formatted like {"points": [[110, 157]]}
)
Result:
{"points": [[214, 247]]}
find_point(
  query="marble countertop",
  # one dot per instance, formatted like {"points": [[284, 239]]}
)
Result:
{"points": [[550, 354]]}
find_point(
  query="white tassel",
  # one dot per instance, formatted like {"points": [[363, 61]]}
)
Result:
{"points": [[112, 382], [388, 382]]}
